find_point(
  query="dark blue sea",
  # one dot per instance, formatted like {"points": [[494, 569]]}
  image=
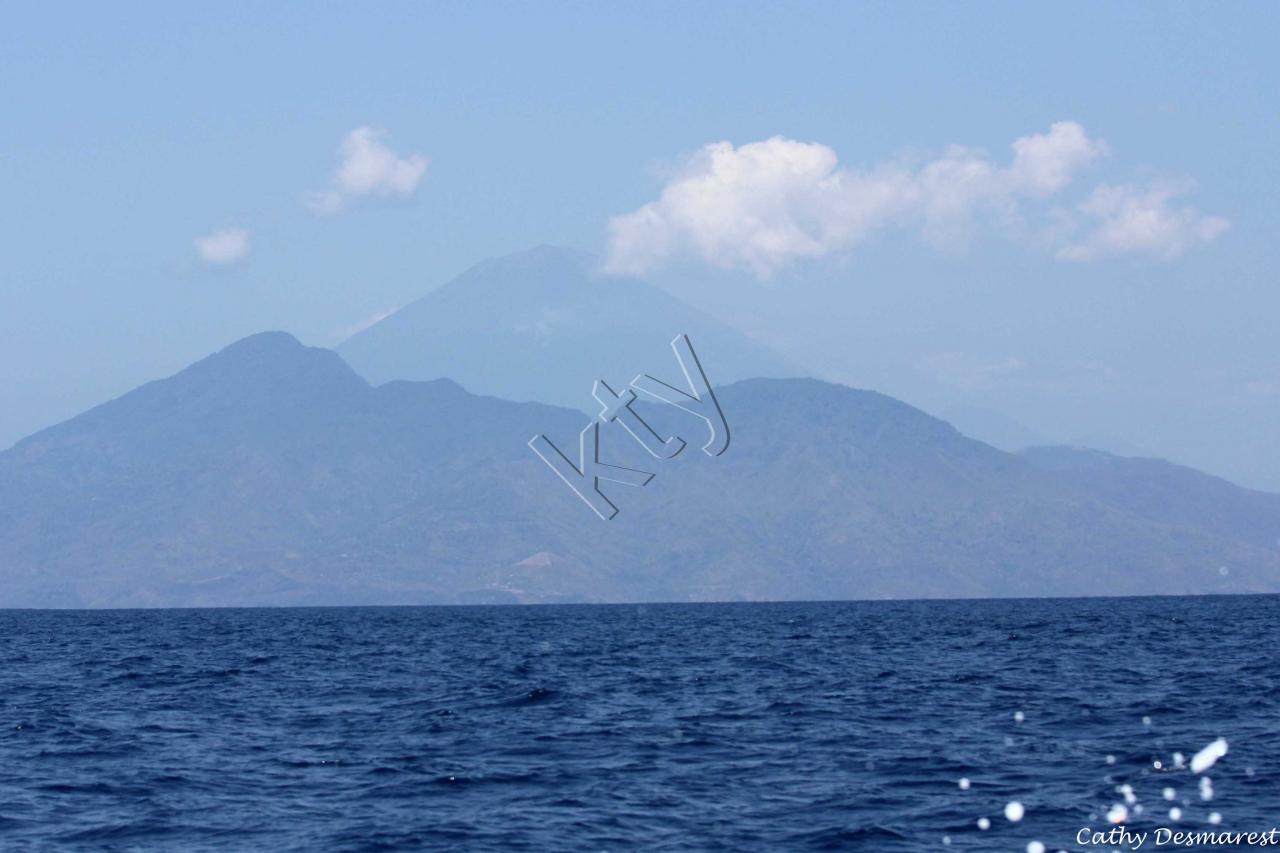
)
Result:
{"points": [[659, 727]]}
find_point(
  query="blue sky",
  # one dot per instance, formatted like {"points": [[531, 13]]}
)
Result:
{"points": [[1034, 290]]}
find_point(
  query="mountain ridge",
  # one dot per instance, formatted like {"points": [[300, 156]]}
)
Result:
{"points": [[270, 473]]}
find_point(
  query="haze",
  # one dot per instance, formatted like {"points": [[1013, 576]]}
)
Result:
{"points": [[1066, 223]]}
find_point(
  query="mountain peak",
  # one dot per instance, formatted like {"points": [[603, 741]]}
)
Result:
{"points": [[262, 343], [273, 360], [544, 274], [256, 377], [540, 325], [541, 257]]}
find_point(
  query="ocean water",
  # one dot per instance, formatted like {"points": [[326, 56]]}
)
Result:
{"points": [[664, 727]]}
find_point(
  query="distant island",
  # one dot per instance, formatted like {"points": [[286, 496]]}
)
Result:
{"points": [[271, 473]]}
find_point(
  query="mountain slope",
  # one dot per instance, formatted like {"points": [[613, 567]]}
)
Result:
{"points": [[270, 473], [538, 325], [1163, 492], [248, 471]]}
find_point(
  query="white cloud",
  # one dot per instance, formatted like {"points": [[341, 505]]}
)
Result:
{"points": [[765, 204], [1135, 220], [224, 246], [368, 168], [1045, 163]]}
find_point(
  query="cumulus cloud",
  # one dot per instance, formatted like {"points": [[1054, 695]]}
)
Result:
{"points": [[764, 205], [757, 207], [1139, 221], [224, 246], [368, 168], [1046, 163]]}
